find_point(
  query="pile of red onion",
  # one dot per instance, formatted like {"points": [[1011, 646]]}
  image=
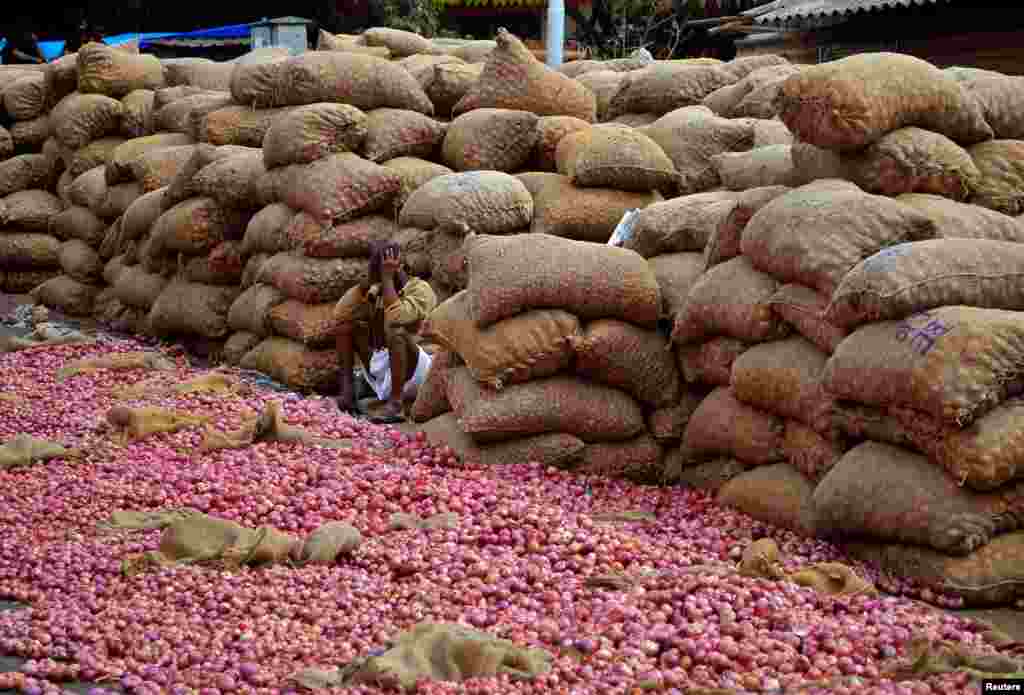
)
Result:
{"points": [[516, 565]]}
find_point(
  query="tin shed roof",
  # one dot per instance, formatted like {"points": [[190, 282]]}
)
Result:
{"points": [[800, 12]]}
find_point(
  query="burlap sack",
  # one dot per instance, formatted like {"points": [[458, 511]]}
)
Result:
{"points": [[326, 543], [313, 325], [108, 71], [236, 347], [294, 365], [165, 95], [987, 577], [514, 79], [237, 125], [555, 404], [422, 64], [142, 214], [531, 345], [112, 270], [348, 42], [784, 377], [196, 226], [26, 97], [917, 363], [312, 280], [61, 77], [154, 260], [615, 156], [740, 68], [186, 308], [691, 136], [448, 83], [336, 188], [604, 84], [77, 222], [198, 72], [259, 85], [89, 190], [889, 494], [803, 309], [157, 168], [761, 83], [680, 224], [472, 51], [1001, 184], [910, 278], [486, 138], [955, 220], [709, 476], [415, 245], [353, 239], [6, 143], [593, 281], [80, 262], [817, 233], [912, 160], [1001, 99], [184, 184], [118, 199], [811, 453], [119, 165], [29, 211], [639, 460], [637, 361], [224, 265], [485, 202], [413, 173], [448, 264], [185, 115], [307, 133], [779, 495], [230, 180], [664, 87], [723, 426], [81, 118], [829, 105], [550, 131], [432, 396], [251, 311], [563, 209], [96, 153], [25, 171], [66, 295], [28, 251], [400, 133], [400, 43], [137, 288], [252, 269], [30, 135], [769, 132], [557, 449], [763, 166], [731, 299], [724, 241], [639, 58], [676, 274], [669, 423], [63, 184]]}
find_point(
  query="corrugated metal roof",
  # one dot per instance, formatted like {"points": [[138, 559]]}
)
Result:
{"points": [[792, 12]]}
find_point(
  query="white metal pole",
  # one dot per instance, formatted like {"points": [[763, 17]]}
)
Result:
{"points": [[556, 32]]}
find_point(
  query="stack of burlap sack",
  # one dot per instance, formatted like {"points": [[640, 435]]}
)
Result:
{"points": [[861, 325]]}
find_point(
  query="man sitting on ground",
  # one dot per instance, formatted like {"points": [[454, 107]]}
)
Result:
{"points": [[382, 316]]}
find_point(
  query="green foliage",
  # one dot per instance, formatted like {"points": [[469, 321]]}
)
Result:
{"points": [[424, 19]]}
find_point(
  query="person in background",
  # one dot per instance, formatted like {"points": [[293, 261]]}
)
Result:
{"points": [[85, 34], [22, 48], [379, 320]]}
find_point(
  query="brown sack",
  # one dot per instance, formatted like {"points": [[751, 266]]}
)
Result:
{"points": [[185, 115], [237, 125], [784, 377], [533, 271], [730, 299], [313, 325], [230, 180], [251, 311], [762, 166], [114, 73], [912, 160], [80, 262], [224, 265], [910, 278], [486, 202], [265, 232], [514, 79], [22, 172], [158, 167], [96, 153], [668, 424], [680, 224], [889, 494], [142, 214], [81, 118], [448, 83], [604, 84], [394, 133], [665, 86], [196, 226], [139, 289], [413, 173], [955, 220], [710, 362], [30, 211], [709, 476], [448, 265], [723, 426], [24, 281], [811, 453], [347, 240], [724, 242], [432, 396], [830, 105], [28, 251], [555, 404], [545, 449], [778, 495], [550, 131], [638, 361], [490, 139], [615, 156], [237, 346], [639, 460], [26, 97], [817, 233], [66, 295], [804, 310], [586, 214], [77, 222], [1002, 99], [1001, 183], [308, 133], [30, 135], [89, 190], [676, 274], [294, 365], [531, 345], [185, 308], [918, 362], [313, 280], [6, 144], [118, 199], [119, 165], [400, 43]]}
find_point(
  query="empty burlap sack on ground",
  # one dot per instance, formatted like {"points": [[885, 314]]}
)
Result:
{"points": [[889, 494], [585, 214], [513, 78], [918, 362], [730, 299], [680, 224], [817, 233], [709, 362], [531, 345], [785, 377], [830, 105], [724, 426], [487, 202], [910, 278], [293, 364], [25, 450], [955, 220], [592, 281], [555, 449], [691, 136], [555, 404], [778, 494], [616, 156], [488, 138], [636, 360]]}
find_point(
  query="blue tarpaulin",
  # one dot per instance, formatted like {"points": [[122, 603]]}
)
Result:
{"points": [[50, 49], [54, 49], [233, 31]]}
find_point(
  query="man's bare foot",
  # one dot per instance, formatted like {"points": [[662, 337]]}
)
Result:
{"points": [[390, 414]]}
